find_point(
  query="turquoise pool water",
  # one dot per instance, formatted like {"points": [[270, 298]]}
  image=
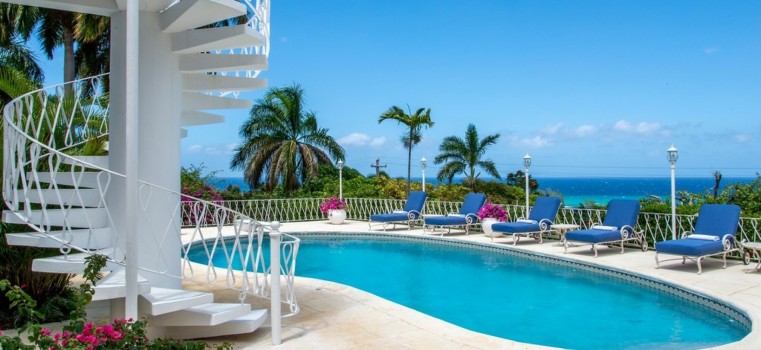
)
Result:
{"points": [[513, 297]]}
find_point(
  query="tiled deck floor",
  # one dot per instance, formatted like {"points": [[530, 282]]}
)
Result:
{"points": [[335, 316]]}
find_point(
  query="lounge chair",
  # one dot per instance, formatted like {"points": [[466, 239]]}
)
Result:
{"points": [[466, 217], [618, 227], [539, 221], [714, 234], [411, 213]]}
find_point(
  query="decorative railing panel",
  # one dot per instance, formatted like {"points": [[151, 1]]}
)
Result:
{"points": [[51, 187], [657, 226]]}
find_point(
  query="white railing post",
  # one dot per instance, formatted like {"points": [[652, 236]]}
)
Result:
{"points": [[132, 101], [275, 282]]}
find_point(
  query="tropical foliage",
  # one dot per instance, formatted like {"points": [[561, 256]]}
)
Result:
{"points": [[518, 179], [282, 143], [415, 123], [464, 156], [77, 332]]}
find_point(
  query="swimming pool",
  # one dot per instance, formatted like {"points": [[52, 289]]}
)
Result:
{"points": [[520, 296]]}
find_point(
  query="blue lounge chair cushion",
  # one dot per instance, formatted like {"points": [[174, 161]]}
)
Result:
{"points": [[689, 247], [593, 236], [472, 203], [470, 206], [713, 220], [415, 202], [717, 219], [545, 208], [620, 213], [390, 217], [515, 227], [447, 220]]}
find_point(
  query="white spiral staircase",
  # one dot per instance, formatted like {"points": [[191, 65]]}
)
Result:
{"points": [[64, 197]]}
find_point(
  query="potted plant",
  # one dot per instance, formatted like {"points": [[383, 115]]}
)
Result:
{"points": [[335, 208], [489, 214]]}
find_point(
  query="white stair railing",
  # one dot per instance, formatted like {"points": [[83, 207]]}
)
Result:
{"points": [[45, 185]]}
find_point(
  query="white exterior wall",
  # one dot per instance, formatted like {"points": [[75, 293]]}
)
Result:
{"points": [[158, 149]]}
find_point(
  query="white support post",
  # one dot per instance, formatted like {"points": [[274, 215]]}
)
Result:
{"points": [[527, 193], [275, 314], [131, 109], [673, 201], [673, 155]]}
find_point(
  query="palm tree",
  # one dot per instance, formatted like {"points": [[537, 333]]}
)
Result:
{"points": [[84, 38], [464, 156], [415, 122], [16, 22], [56, 28], [282, 142]]}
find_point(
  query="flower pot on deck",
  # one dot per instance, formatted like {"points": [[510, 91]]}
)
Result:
{"points": [[337, 216]]}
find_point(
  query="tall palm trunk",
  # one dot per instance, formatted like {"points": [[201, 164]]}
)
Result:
{"points": [[69, 69]]}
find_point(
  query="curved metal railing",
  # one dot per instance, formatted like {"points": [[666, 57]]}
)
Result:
{"points": [[63, 196]]}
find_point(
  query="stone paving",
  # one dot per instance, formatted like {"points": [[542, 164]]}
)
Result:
{"points": [[334, 316]]}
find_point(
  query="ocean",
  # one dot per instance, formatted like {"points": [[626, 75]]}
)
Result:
{"points": [[599, 190]]}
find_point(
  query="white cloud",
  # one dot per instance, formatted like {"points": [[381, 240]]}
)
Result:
{"points": [[212, 150], [710, 50], [378, 141], [536, 142], [195, 148], [359, 139], [642, 128], [230, 148], [585, 130], [742, 138], [551, 129]]}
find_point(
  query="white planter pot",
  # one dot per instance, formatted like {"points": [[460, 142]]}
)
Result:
{"points": [[337, 216], [486, 226]]}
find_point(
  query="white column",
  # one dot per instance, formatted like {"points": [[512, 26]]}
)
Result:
{"points": [[132, 107], [673, 200], [145, 143]]}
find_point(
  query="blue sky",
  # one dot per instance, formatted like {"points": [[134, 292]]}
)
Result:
{"points": [[587, 88]]}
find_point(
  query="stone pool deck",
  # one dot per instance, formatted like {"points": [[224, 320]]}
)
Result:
{"points": [[334, 316]]}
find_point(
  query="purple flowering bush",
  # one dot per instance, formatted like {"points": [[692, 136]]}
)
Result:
{"points": [[332, 203], [494, 211]]}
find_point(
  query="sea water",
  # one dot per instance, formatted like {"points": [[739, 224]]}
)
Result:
{"points": [[600, 190]]}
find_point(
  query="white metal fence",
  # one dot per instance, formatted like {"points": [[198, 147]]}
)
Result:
{"points": [[657, 226]]}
